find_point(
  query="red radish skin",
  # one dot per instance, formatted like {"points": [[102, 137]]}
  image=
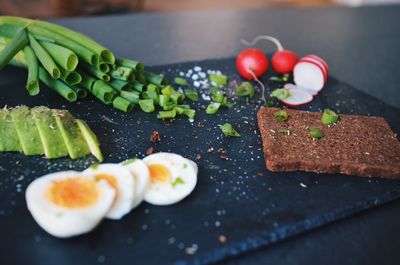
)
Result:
{"points": [[283, 61], [319, 59], [298, 97], [252, 63], [318, 64], [309, 75]]}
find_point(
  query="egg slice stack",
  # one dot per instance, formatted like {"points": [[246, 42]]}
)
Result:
{"points": [[71, 203]]}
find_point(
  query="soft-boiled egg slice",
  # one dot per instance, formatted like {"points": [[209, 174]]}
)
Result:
{"points": [[141, 175], [172, 178], [67, 203], [122, 181]]}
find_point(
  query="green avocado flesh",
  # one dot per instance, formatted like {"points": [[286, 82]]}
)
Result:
{"points": [[50, 135], [71, 133], [27, 131], [91, 139], [9, 140]]}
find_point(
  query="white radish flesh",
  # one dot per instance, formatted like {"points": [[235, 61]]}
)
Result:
{"points": [[317, 63], [308, 75], [319, 59], [293, 86], [298, 97]]}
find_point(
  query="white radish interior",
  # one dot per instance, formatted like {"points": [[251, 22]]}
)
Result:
{"points": [[308, 75], [320, 60], [298, 97], [293, 86], [318, 63]]}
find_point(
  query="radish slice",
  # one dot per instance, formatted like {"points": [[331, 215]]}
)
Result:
{"points": [[293, 86], [309, 75], [298, 97], [318, 63], [319, 59]]}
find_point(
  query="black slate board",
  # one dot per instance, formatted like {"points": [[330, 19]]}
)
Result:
{"points": [[231, 199]]}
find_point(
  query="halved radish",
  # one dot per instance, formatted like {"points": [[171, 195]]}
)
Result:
{"points": [[319, 59], [309, 75], [298, 97], [318, 63], [293, 86]]}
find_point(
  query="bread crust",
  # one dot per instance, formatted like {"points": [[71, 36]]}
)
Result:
{"points": [[356, 145]]}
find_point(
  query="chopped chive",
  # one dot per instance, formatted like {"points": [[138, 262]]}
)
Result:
{"points": [[315, 133], [151, 95], [167, 91], [219, 80], [57, 85], [154, 78], [226, 103], [218, 96], [64, 57], [169, 114], [213, 107], [92, 70], [32, 84], [123, 104], [44, 58], [228, 130], [245, 89], [120, 84], [147, 105], [192, 94], [163, 100], [177, 97], [71, 78], [190, 113], [177, 181], [281, 115], [132, 96], [329, 117], [138, 87], [103, 67], [122, 73], [180, 81], [281, 93], [103, 91], [135, 65]]}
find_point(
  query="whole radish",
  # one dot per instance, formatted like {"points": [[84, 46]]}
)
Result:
{"points": [[283, 61], [252, 63]]}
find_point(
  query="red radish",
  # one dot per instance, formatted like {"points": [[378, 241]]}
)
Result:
{"points": [[310, 75], [252, 63], [283, 61], [298, 97], [319, 63], [316, 57]]}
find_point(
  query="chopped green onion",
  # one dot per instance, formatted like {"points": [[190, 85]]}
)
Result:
{"points": [[122, 73], [315, 133], [218, 96], [213, 107], [120, 84], [138, 87], [281, 115], [90, 69], [163, 100], [103, 91], [245, 89], [226, 103], [170, 114], [32, 84], [192, 94], [228, 130], [147, 105], [154, 78], [122, 104], [44, 58], [103, 67], [180, 81], [190, 113], [167, 91], [219, 80], [80, 92], [71, 78], [283, 131], [329, 117], [177, 97], [87, 82], [135, 65], [151, 95], [281, 93], [17, 43], [177, 181], [64, 57], [132, 96], [57, 85]]}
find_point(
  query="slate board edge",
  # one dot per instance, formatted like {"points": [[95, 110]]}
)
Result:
{"points": [[266, 238]]}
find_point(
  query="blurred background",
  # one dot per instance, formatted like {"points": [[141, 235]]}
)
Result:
{"points": [[69, 8]]}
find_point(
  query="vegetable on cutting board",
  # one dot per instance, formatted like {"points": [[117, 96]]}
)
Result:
{"points": [[40, 130]]}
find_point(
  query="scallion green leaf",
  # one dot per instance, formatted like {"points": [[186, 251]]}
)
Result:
{"points": [[228, 130], [315, 133], [213, 107], [329, 117], [192, 95], [177, 181], [281, 115], [245, 89], [170, 114], [281, 93], [180, 81], [219, 80], [147, 105]]}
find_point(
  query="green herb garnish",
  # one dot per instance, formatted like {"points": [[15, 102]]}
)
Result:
{"points": [[218, 96], [329, 117], [228, 130], [129, 161], [315, 133], [281, 93], [177, 181], [213, 107], [180, 81], [219, 80], [147, 105], [245, 89], [94, 166], [191, 94], [281, 115], [167, 114]]}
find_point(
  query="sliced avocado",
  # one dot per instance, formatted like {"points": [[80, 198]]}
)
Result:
{"points": [[9, 140], [27, 131], [50, 135], [91, 139], [72, 135]]}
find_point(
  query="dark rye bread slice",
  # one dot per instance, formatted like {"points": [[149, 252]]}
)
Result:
{"points": [[356, 145]]}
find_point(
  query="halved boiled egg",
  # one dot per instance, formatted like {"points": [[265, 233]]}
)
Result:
{"points": [[141, 175], [67, 203], [172, 178], [122, 181]]}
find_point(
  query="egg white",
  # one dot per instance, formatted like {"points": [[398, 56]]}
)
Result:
{"points": [[164, 193], [61, 221], [140, 173], [125, 188]]}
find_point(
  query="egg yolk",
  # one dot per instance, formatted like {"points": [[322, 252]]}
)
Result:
{"points": [[73, 192], [111, 180], [159, 173]]}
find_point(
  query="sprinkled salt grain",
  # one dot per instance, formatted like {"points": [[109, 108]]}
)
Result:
{"points": [[303, 185], [195, 77], [202, 75], [217, 223], [197, 68], [196, 83], [181, 73], [190, 71], [205, 97], [191, 250]]}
